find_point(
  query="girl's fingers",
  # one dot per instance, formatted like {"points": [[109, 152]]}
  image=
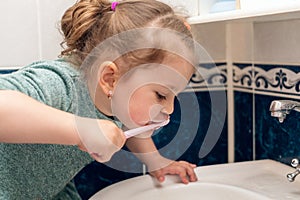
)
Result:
{"points": [[183, 169]]}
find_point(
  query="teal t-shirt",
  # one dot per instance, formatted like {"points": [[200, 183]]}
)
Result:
{"points": [[41, 171]]}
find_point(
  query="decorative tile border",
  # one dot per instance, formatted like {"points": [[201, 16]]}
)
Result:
{"points": [[269, 79], [212, 76], [272, 79]]}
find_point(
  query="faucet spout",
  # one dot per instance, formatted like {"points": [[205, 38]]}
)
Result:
{"points": [[291, 176], [281, 108]]}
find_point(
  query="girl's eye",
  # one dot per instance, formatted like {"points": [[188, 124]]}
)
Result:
{"points": [[160, 96]]}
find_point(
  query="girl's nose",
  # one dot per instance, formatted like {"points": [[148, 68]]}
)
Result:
{"points": [[158, 112], [168, 108]]}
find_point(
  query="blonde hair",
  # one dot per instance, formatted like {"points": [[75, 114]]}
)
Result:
{"points": [[89, 22]]}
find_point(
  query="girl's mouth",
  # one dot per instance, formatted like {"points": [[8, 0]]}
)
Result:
{"points": [[153, 126]]}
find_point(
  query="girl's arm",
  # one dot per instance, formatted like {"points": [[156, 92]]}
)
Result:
{"points": [[25, 120], [159, 166], [146, 151]]}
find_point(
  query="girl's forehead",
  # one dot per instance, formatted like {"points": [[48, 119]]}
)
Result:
{"points": [[156, 74]]}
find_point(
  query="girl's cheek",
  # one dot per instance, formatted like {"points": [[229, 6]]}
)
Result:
{"points": [[138, 115]]}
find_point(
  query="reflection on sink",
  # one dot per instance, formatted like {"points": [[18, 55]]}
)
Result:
{"points": [[196, 191], [254, 180]]}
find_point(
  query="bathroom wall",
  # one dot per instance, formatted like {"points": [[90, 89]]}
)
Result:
{"points": [[29, 31], [263, 63], [274, 75]]}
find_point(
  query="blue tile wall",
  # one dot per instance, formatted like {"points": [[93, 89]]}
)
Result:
{"points": [[264, 83], [243, 125], [218, 153], [275, 140]]}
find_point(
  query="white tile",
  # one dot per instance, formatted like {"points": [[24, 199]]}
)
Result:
{"points": [[242, 42], [50, 13], [277, 42], [18, 35], [212, 37]]}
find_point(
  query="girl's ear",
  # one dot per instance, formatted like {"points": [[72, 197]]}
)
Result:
{"points": [[108, 76]]}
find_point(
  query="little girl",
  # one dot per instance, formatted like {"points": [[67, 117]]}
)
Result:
{"points": [[118, 71]]}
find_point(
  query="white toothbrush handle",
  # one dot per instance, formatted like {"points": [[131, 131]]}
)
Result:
{"points": [[139, 130]]}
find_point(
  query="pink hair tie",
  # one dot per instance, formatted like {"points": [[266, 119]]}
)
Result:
{"points": [[114, 5]]}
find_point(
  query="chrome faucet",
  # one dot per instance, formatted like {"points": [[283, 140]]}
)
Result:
{"points": [[291, 176], [281, 108]]}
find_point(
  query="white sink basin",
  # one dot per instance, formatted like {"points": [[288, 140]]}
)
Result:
{"points": [[194, 191], [254, 180]]}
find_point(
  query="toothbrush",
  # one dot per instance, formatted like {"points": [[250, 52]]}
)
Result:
{"points": [[139, 130]]}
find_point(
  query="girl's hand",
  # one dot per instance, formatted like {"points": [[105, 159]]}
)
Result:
{"points": [[100, 138], [183, 169]]}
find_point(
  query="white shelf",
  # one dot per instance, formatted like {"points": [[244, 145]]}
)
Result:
{"points": [[278, 11]]}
